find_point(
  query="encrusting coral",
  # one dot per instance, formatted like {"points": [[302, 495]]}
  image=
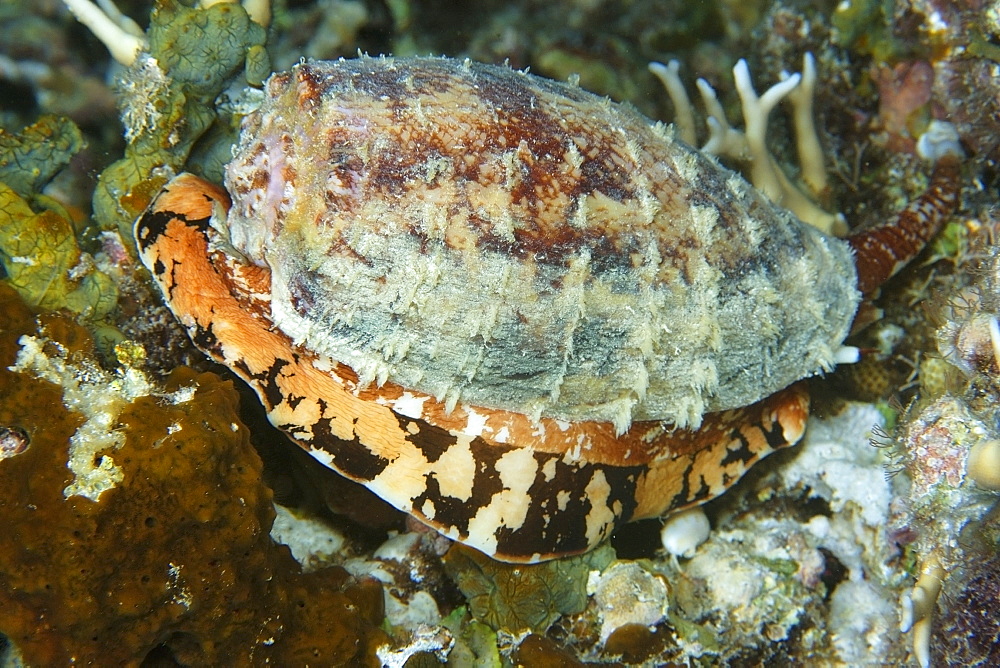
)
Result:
{"points": [[950, 452], [175, 553]]}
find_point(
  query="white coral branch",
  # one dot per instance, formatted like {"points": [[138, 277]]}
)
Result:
{"points": [[723, 139], [259, 11], [750, 146], [122, 21], [807, 139], [683, 111], [117, 36], [756, 110]]}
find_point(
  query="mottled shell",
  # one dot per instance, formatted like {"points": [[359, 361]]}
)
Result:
{"points": [[487, 297], [492, 238]]}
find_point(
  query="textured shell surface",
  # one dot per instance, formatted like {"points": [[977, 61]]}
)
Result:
{"points": [[496, 300], [491, 238]]}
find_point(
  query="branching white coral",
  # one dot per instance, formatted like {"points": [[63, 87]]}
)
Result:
{"points": [[683, 111], [723, 139], [756, 110], [807, 139], [918, 609], [115, 14], [124, 38], [750, 145], [120, 34]]}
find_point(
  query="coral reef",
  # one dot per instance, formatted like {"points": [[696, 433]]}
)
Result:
{"points": [[951, 455], [815, 557]]}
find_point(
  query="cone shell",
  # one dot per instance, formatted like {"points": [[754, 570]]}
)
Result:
{"points": [[494, 238]]}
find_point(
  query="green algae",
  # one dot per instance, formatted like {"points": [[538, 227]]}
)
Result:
{"points": [[981, 47], [867, 27], [475, 642], [785, 567], [952, 243], [38, 246], [592, 74], [31, 158], [169, 98], [40, 255], [518, 597]]}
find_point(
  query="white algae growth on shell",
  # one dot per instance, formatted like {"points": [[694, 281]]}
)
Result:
{"points": [[496, 239]]}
